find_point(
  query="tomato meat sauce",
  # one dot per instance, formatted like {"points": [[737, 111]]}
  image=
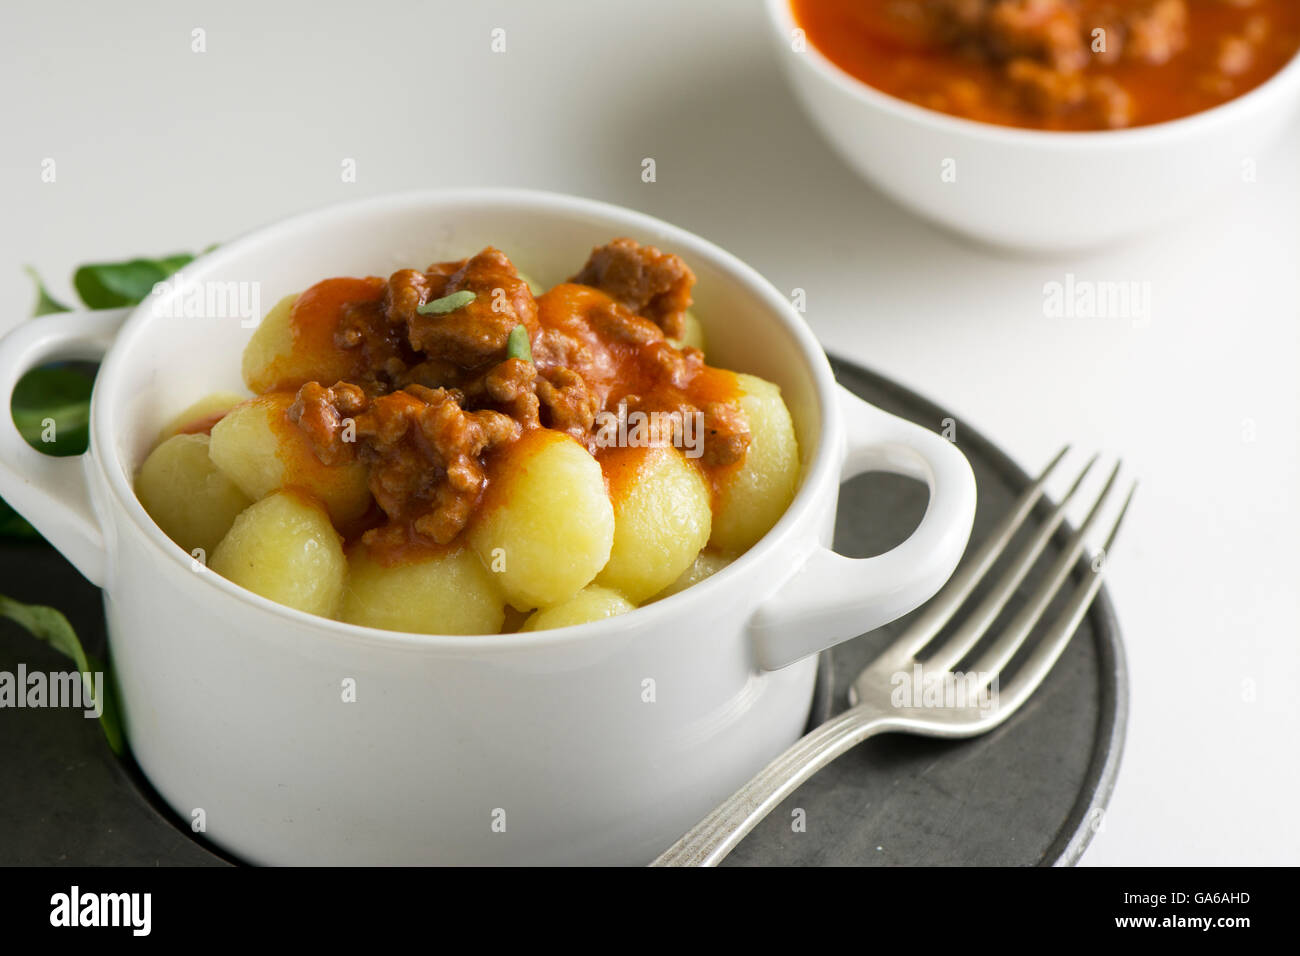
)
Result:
{"points": [[1057, 64], [440, 370]]}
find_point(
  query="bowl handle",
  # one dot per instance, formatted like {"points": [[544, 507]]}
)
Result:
{"points": [[832, 598], [53, 493]]}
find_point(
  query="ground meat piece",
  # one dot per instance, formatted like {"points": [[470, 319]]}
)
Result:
{"points": [[1046, 30], [1157, 31], [408, 289], [1107, 48], [473, 334], [676, 366], [719, 433], [1110, 102], [553, 349], [1045, 90], [384, 350], [511, 385], [1234, 55], [423, 449], [662, 423], [568, 405], [322, 414], [618, 324], [652, 284], [456, 439], [726, 434], [432, 373], [965, 14]]}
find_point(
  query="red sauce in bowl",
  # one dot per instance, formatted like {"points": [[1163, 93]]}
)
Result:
{"points": [[1057, 64]]}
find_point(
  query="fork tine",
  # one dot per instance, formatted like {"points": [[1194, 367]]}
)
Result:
{"points": [[973, 627], [1046, 652], [995, 657], [940, 609]]}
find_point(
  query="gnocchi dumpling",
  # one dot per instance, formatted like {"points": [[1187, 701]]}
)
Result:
{"points": [[692, 334], [546, 525], [592, 603], [706, 564], [271, 348], [757, 492], [662, 518], [535, 287], [200, 416], [285, 549], [295, 342], [186, 495], [442, 592], [262, 451]]}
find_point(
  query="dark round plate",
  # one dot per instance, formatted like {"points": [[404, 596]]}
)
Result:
{"points": [[1031, 792]]}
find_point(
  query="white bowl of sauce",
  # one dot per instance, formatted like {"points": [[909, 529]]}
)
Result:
{"points": [[1048, 126]]}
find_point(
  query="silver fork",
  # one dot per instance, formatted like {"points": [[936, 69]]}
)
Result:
{"points": [[873, 710]]}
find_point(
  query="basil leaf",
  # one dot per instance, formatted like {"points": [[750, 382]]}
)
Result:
{"points": [[448, 303], [109, 285], [56, 394], [518, 346], [45, 303], [53, 393], [61, 394], [51, 626], [14, 525]]}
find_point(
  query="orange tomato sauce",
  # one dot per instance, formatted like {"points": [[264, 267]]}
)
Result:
{"points": [[1044, 65]]}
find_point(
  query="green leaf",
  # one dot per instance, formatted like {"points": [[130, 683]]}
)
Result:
{"points": [[51, 626], [45, 303], [14, 525], [109, 285], [518, 346], [62, 394], [448, 303], [57, 394]]}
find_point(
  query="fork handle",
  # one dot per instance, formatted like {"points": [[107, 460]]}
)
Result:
{"points": [[717, 834]]}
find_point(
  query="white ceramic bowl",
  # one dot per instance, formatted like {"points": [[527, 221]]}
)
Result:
{"points": [[1030, 189], [233, 704]]}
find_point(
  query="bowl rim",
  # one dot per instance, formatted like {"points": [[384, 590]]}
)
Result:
{"points": [[781, 19], [822, 467]]}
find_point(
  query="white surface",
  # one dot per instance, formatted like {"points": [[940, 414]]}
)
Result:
{"points": [[159, 148]]}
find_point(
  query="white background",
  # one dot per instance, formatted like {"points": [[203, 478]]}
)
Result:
{"points": [[161, 149]]}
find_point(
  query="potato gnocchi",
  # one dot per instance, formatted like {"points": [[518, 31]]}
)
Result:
{"points": [[192, 500], [549, 526], [706, 564], [285, 549], [756, 494], [199, 417], [435, 593], [460, 450], [593, 603], [662, 519], [261, 451]]}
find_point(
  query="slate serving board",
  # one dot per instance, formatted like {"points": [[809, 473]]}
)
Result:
{"points": [[1030, 793]]}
